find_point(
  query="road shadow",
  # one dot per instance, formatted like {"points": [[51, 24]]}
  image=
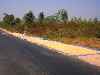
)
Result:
{"points": [[55, 63], [48, 61]]}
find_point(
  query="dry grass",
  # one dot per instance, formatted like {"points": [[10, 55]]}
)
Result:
{"points": [[87, 42]]}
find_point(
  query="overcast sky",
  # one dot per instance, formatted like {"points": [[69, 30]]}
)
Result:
{"points": [[83, 8]]}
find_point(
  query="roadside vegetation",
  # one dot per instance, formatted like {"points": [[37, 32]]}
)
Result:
{"points": [[57, 27]]}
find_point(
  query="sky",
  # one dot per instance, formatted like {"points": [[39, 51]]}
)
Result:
{"points": [[78, 8]]}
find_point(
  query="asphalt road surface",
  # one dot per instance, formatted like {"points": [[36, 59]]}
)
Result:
{"points": [[18, 57]]}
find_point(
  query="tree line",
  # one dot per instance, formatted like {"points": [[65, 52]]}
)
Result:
{"points": [[55, 26]]}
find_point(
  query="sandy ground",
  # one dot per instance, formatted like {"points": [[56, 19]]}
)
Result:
{"points": [[87, 55]]}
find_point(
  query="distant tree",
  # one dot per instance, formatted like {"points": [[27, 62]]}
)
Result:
{"points": [[29, 17], [75, 19], [5, 18], [17, 20], [28, 20], [8, 19], [80, 19], [41, 16], [5, 14], [95, 20], [62, 15]]}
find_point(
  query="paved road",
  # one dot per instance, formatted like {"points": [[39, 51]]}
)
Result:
{"points": [[19, 57]]}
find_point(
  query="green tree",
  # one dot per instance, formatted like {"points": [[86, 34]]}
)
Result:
{"points": [[8, 19], [17, 20], [29, 17], [64, 15], [41, 16], [28, 20], [95, 20], [19, 26]]}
